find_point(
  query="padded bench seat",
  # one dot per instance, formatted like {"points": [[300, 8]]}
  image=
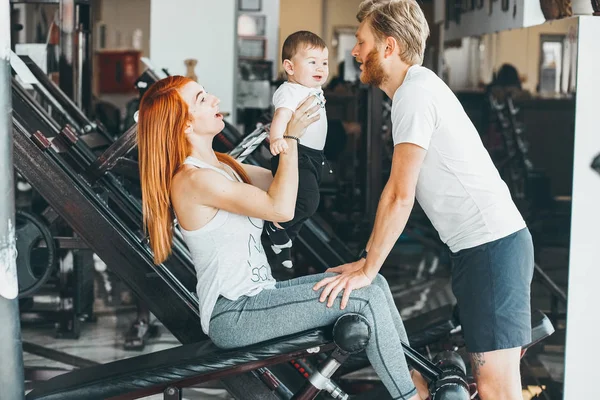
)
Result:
{"points": [[190, 364], [203, 361]]}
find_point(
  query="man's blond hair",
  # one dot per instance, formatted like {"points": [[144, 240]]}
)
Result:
{"points": [[401, 19]]}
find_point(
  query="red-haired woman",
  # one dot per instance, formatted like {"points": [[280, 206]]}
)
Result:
{"points": [[220, 206]]}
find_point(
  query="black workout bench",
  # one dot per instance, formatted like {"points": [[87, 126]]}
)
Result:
{"points": [[170, 370]]}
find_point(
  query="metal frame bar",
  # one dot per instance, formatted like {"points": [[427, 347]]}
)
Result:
{"points": [[115, 153], [56, 355], [68, 108]]}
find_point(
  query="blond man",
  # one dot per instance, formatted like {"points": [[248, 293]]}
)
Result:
{"points": [[439, 160]]}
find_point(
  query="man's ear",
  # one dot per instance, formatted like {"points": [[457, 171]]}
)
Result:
{"points": [[391, 46], [288, 66]]}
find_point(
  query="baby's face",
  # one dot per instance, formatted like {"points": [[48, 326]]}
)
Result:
{"points": [[310, 67]]}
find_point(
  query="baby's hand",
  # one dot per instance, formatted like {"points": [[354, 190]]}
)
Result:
{"points": [[279, 146]]}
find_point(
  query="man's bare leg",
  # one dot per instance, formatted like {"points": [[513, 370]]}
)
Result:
{"points": [[498, 374]]}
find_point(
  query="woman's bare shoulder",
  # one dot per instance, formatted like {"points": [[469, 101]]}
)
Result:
{"points": [[188, 178], [189, 196]]}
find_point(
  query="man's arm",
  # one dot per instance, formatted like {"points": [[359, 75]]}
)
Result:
{"points": [[414, 120], [395, 205], [393, 210]]}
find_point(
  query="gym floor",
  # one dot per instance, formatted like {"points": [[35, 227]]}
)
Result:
{"points": [[406, 269]]}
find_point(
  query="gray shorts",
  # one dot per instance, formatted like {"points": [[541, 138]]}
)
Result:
{"points": [[492, 283]]}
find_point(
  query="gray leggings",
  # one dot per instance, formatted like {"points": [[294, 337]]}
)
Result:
{"points": [[293, 306]]}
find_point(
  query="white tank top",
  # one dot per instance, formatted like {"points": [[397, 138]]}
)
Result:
{"points": [[228, 256]]}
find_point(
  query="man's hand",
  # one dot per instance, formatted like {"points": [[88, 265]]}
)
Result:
{"points": [[279, 146], [349, 267], [346, 281]]}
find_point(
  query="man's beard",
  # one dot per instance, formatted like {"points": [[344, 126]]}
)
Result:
{"points": [[372, 73]]}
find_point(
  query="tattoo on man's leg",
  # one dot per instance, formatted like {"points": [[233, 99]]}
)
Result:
{"points": [[477, 362]]}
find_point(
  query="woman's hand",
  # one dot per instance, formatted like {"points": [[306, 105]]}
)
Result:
{"points": [[304, 115]]}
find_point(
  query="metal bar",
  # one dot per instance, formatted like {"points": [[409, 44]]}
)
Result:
{"points": [[550, 285], [75, 18], [40, 87], [95, 140], [421, 364], [79, 73], [107, 160], [56, 355], [66, 243], [11, 368], [36, 374], [273, 382], [66, 63], [127, 168], [54, 94]]}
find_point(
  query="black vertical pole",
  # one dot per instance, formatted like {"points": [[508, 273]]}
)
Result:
{"points": [[11, 354]]}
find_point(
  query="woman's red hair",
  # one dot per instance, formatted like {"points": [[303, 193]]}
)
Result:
{"points": [[163, 147]]}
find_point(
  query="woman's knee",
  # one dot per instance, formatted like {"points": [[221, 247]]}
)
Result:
{"points": [[381, 282], [221, 339], [374, 295]]}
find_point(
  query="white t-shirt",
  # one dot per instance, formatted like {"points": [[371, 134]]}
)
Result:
{"points": [[459, 188], [289, 95]]}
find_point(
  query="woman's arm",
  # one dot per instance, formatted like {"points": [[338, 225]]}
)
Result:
{"points": [[212, 189], [260, 177]]}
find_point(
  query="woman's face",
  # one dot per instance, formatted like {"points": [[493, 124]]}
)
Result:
{"points": [[203, 109]]}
